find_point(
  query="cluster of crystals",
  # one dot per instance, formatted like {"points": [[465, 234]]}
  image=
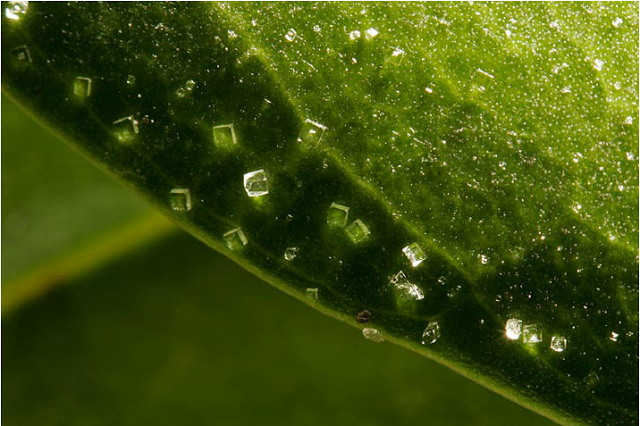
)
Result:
{"points": [[407, 289], [532, 334], [337, 216]]}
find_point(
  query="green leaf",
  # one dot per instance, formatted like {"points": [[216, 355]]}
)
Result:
{"points": [[105, 350], [60, 215], [486, 153]]}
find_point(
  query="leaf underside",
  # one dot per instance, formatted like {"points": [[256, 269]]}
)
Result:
{"points": [[500, 139]]}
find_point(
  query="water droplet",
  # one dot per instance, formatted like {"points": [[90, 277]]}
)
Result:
{"points": [[357, 231], [558, 343], [614, 336], [256, 183], [354, 35], [408, 290], [224, 136], [16, 10], [598, 64], [531, 333], [373, 335], [126, 129], [414, 253], [513, 329], [21, 56], [312, 293], [481, 80], [291, 253], [180, 199], [131, 80], [311, 132], [82, 87], [235, 239], [363, 317], [431, 333], [291, 35], [370, 33], [337, 215], [617, 22]]}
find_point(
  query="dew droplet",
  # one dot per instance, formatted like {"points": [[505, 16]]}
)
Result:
{"points": [[373, 335], [126, 129], [180, 199], [224, 136], [291, 253], [16, 10], [235, 239], [531, 333], [513, 329], [408, 290], [431, 333], [414, 253], [558, 343], [82, 87], [312, 293], [363, 317], [311, 133], [337, 215], [357, 231], [256, 183]]}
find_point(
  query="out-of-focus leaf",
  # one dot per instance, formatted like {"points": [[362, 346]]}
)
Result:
{"points": [[59, 213], [178, 335]]}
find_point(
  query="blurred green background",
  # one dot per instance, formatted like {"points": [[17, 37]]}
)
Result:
{"points": [[112, 316]]}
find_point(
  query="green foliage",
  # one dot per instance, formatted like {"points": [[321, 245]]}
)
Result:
{"points": [[207, 343], [487, 154]]}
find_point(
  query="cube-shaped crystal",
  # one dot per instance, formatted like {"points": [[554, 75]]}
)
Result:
{"points": [[126, 129], [180, 199], [513, 329], [337, 215], [224, 136], [531, 333], [407, 290], [312, 293], [256, 183], [414, 253], [558, 343], [82, 87], [291, 253], [21, 56], [235, 239], [481, 80], [311, 133], [357, 231], [431, 333]]}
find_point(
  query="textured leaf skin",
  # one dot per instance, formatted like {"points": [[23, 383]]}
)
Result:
{"points": [[520, 188]]}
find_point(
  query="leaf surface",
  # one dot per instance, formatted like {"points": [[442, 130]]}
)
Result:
{"points": [[486, 154]]}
